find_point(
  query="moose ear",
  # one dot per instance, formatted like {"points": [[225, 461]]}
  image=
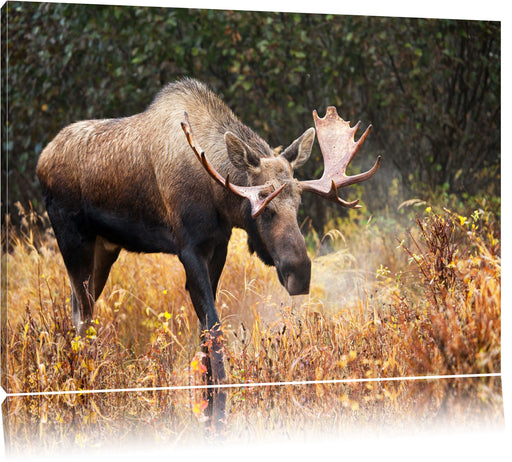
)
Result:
{"points": [[241, 156], [299, 151]]}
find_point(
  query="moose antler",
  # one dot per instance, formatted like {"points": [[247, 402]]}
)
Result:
{"points": [[252, 193], [338, 147]]}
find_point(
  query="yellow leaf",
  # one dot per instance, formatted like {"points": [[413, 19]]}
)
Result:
{"points": [[199, 407], [197, 365]]}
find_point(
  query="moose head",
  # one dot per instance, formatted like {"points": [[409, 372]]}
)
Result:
{"points": [[274, 194]]}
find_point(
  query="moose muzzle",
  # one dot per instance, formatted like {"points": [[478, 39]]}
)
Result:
{"points": [[295, 274]]}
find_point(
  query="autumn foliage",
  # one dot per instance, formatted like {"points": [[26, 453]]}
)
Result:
{"points": [[427, 305]]}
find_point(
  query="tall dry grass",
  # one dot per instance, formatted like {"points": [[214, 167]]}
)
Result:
{"points": [[383, 303]]}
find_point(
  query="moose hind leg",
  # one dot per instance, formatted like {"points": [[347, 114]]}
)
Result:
{"points": [[105, 255], [79, 264], [76, 245]]}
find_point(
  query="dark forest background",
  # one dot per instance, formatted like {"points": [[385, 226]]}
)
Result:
{"points": [[430, 88]]}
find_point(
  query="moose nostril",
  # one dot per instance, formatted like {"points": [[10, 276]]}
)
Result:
{"points": [[297, 286], [296, 276]]}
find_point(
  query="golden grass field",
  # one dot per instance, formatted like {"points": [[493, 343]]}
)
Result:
{"points": [[386, 301]]}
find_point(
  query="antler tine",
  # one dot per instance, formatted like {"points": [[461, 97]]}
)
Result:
{"points": [[336, 139], [332, 195], [249, 192]]}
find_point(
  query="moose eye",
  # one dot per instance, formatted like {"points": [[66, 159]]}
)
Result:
{"points": [[268, 213]]}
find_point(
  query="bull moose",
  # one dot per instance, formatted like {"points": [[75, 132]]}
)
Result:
{"points": [[177, 178]]}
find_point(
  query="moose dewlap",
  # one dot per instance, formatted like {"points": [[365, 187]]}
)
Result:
{"points": [[177, 178]]}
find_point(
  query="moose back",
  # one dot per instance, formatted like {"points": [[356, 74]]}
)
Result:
{"points": [[177, 178]]}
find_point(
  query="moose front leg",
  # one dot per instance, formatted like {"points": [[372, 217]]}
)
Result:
{"points": [[203, 299]]}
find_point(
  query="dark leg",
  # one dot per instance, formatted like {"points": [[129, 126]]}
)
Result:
{"points": [[201, 293], [105, 255], [216, 265], [216, 411], [80, 276], [76, 245]]}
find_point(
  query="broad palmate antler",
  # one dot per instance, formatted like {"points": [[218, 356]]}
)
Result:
{"points": [[336, 139]]}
